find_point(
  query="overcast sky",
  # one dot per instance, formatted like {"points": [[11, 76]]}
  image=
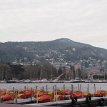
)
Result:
{"points": [[41, 20]]}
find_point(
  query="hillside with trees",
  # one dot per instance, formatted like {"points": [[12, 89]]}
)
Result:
{"points": [[60, 50], [50, 60]]}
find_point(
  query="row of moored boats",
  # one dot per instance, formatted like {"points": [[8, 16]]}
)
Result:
{"points": [[42, 96]]}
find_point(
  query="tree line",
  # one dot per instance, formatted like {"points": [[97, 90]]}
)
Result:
{"points": [[37, 72]]}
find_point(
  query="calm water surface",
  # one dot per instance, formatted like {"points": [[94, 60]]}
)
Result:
{"points": [[76, 86]]}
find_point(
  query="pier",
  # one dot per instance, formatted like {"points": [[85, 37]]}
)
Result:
{"points": [[60, 97], [83, 102], [95, 101]]}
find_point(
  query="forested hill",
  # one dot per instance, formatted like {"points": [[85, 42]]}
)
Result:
{"points": [[60, 50]]}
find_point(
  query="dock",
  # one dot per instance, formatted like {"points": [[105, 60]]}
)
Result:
{"points": [[60, 97], [96, 101]]}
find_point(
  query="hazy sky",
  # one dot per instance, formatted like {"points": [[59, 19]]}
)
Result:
{"points": [[40, 20]]}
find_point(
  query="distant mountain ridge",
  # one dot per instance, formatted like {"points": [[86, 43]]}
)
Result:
{"points": [[60, 50]]}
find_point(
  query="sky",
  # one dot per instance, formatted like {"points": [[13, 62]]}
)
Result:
{"points": [[42, 20]]}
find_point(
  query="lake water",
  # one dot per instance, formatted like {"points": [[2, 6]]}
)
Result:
{"points": [[76, 86]]}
